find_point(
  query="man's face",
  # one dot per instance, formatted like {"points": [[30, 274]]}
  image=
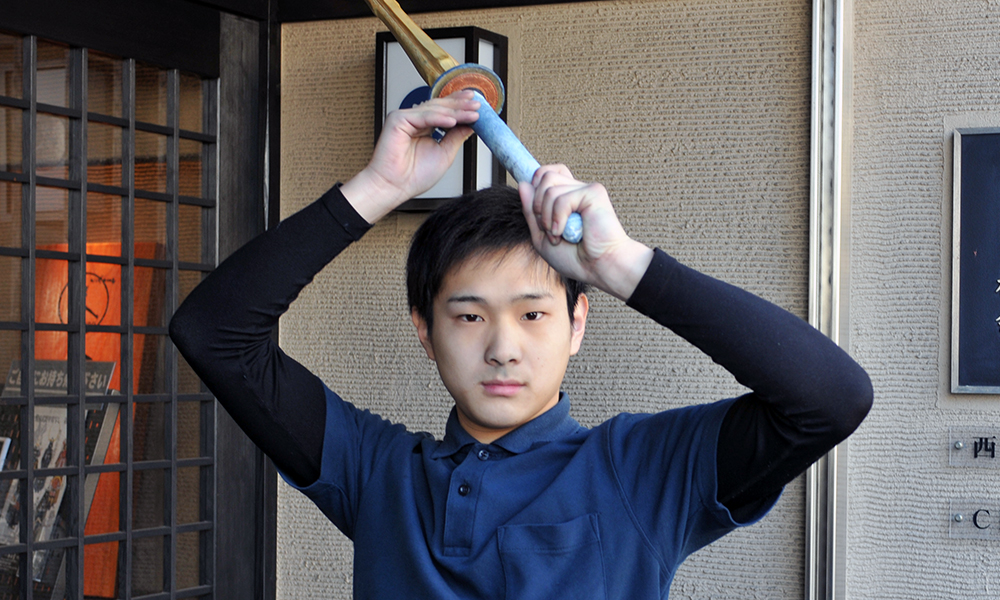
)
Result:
{"points": [[502, 339]]}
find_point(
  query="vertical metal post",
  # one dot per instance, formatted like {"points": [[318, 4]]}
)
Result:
{"points": [[829, 249], [128, 368], [170, 351], [76, 416], [28, 301]]}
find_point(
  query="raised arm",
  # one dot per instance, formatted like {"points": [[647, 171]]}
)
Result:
{"points": [[808, 394], [224, 327]]}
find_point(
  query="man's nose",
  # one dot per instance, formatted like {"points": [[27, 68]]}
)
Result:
{"points": [[504, 344]]}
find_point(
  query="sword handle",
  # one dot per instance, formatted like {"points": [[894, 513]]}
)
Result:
{"points": [[515, 157]]}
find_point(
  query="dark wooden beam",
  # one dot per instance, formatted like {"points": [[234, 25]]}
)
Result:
{"points": [[247, 482], [254, 9], [316, 10], [171, 33]]}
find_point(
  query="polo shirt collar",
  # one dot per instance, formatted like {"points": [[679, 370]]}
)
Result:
{"points": [[552, 425]]}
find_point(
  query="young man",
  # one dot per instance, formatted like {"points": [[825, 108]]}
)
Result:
{"points": [[518, 500]]}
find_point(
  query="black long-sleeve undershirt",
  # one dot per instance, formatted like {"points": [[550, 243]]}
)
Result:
{"points": [[807, 394]]}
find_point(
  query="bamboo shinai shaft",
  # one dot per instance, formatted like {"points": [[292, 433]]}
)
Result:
{"points": [[430, 59]]}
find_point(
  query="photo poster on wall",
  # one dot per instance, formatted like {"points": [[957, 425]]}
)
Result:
{"points": [[49, 452], [102, 444], [47, 492], [976, 293]]}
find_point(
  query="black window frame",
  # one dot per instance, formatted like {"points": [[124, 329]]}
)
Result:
{"points": [[241, 50]]}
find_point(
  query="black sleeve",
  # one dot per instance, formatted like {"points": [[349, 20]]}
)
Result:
{"points": [[807, 394], [224, 330]]}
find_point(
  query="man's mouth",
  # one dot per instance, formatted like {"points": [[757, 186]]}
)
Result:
{"points": [[502, 387]]}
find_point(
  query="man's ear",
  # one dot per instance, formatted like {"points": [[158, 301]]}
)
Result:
{"points": [[423, 332], [579, 323]]}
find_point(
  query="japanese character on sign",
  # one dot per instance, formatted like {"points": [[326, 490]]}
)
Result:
{"points": [[985, 445]]}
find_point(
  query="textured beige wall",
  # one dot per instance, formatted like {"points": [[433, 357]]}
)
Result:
{"points": [[694, 114], [921, 68]]}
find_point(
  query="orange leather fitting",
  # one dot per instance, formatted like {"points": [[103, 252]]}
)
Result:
{"points": [[476, 81]]}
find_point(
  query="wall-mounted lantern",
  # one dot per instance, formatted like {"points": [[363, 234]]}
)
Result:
{"points": [[399, 85]]}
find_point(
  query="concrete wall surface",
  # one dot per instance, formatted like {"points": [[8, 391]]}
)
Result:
{"points": [[695, 115], [920, 70]]}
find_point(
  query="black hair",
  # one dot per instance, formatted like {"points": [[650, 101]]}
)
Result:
{"points": [[475, 224]]}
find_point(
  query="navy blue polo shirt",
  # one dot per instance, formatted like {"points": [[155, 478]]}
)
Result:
{"points": [[551, 510]]}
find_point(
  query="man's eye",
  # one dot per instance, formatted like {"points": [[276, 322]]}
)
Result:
{"points": [[469, 318], [533, 316]]}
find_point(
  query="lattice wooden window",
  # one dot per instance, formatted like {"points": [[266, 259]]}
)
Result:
{"points": [[107, 221]]}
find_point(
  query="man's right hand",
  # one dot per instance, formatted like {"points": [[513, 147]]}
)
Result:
{"points": [[407, 161]]}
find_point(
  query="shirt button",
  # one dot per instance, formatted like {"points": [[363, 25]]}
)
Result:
{"points": [[464, 489], [483, 454]]}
